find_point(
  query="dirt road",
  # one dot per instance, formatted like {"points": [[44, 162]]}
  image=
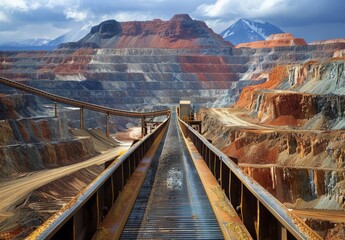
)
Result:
{"points": [[230, 119], [14, 192], [269, 165], [325, 215], [233, 119]]}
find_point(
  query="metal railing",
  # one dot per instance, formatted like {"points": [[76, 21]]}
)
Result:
{"points": [[82, 216], [80, 104], [84, 105], [262, 214]]}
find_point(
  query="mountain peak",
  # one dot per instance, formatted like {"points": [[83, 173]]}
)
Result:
{"points": [[181, 31], [181, 17], [107, 28], [245, 30]]}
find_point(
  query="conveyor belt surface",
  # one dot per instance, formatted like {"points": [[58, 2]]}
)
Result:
{"points": [[172, 203]]}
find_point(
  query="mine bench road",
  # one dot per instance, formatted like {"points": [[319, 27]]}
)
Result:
{"points": [[171, 184]]}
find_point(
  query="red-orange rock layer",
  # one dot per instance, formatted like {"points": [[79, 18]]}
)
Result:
{"points": [[287, 120], [284, 108], [277, 75], [275, 40]]}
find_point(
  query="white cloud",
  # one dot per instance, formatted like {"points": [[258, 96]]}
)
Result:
{"points": [[129, 16], [59, 3], [3, 17], [216, 9], [219, 25], [240, 8], [21, 5], [75, 14], [18, 5], [35, 5], [26, 5]]}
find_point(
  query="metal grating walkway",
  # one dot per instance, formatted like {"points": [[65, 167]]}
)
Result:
{"points": [[172, 203]]}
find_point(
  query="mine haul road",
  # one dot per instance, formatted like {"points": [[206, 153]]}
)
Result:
{"points": [[232, 118], [229, 118], [13, 192]]}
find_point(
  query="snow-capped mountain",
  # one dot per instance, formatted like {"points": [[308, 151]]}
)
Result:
{"points": [[47, 44], [71, 36], [249, 31]]}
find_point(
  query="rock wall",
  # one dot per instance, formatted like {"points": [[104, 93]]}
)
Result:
{"points": [[288, 148], [291, 137], [32, 140], [291, 164], [296, 95], [133, 78]]}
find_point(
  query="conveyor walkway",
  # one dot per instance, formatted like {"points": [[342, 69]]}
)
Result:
{"points": [[172, 202]]}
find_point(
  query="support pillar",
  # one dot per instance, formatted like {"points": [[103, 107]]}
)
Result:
{"points": [[81, 118], [107, 124], [143, 127], [55, 105]]}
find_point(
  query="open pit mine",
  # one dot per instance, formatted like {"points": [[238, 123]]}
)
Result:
{"points": [[277, 106]]}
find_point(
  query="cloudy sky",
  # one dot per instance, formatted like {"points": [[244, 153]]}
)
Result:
{"points": [[310, 19]]}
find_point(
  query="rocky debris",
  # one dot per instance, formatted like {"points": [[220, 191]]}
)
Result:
{"points": [[275, 40]]}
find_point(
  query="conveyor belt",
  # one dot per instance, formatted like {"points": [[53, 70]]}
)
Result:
{"points": [[172, 202]]}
